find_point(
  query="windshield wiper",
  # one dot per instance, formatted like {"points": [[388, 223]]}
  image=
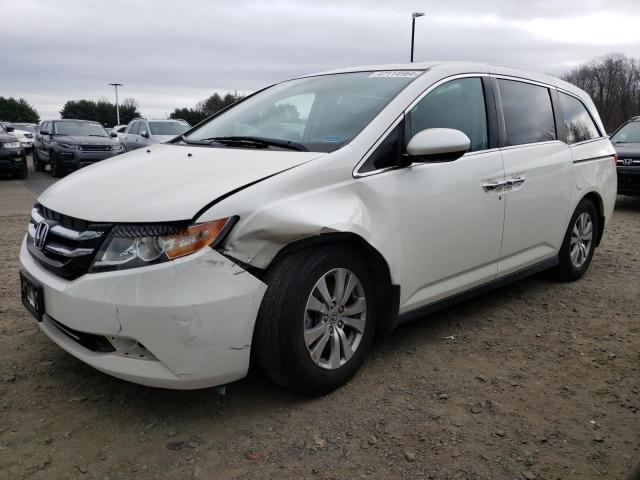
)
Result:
{"points": [[250, 142]]}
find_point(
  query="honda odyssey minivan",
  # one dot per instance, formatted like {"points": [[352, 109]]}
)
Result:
{"points": [[296, 224]]}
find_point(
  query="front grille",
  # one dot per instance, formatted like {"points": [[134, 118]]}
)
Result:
{"points": [[628, 162], [63, 244], [96, 148]]}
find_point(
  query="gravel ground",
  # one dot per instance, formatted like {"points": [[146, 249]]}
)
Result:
{"points": [[537, 380]]}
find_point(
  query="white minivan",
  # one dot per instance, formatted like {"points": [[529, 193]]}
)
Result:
{"points": [[298, 223]]}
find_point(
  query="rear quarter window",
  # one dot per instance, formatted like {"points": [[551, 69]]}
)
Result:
{"points": [[578, 123]]}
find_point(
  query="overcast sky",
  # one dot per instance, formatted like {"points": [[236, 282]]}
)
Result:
{"points": [[173, 53]]}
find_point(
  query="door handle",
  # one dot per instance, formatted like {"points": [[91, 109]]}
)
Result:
{"points": [[514, 182], [491, 187]]}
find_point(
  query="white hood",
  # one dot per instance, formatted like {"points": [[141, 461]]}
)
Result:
{"points": [[165, 184]]}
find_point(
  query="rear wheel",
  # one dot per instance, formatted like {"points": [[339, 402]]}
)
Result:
{"points": [[579, 242], [317, 319]]}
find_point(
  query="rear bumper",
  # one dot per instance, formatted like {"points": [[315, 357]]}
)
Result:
{"points": [[182, 324], [628, 180]]}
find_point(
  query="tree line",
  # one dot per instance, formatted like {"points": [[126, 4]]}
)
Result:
{"points": [[17, 110], [101, 111], [613, 82], [206, 108]]}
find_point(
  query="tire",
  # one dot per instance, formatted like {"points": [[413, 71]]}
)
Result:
{"points": [[22, 173], [579, 240], [38, 165], [280, 347], [56, 168]]}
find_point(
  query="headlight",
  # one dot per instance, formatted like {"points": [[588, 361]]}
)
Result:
{"points": [[68, 145], [11, 145], [130, 246], [116, 146]]}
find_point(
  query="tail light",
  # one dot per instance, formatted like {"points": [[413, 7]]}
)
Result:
{"points": [[616, 160]]}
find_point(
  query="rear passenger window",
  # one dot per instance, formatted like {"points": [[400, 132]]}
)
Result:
{"points": [[577, 121], [528, 114], [457, 104]]}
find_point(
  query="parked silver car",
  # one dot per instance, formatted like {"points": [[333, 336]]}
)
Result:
{"points": [[142, 132]]}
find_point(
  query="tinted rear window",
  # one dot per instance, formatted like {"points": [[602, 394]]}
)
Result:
{"points": [[168, 128], [577, 121], [528, 114]]}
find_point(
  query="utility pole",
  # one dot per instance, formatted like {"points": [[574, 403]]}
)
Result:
{"points": [[116, 85], [414, 15]]}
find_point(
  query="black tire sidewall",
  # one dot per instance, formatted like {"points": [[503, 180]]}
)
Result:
{"points": [[569, 270], [309, 377], [55, 165]]}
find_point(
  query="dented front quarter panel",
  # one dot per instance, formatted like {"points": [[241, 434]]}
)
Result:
{"points": [[317, 198]]}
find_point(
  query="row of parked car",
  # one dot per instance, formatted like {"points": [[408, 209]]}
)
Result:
{"points": [[16, 140], [67, 145]]}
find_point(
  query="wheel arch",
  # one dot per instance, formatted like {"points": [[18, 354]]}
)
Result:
{"points": [[387, 294], [596, 199]]}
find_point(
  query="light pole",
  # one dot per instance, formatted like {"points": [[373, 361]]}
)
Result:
{"points": [[116, 85], [414, 15]]}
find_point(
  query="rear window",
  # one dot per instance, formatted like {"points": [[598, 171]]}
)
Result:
{"points": [[528, 114], [168, 128], [577, 121]]}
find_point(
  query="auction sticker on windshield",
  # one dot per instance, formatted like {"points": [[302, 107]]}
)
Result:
{"points": [[396, 73]]}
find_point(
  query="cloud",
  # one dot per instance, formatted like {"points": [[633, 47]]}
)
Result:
{"points": [[171, 54]]}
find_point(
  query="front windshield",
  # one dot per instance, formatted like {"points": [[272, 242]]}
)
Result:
{"points": [[319, 113], [630, 133], [79, 128], [23, 126], [168, 128]]}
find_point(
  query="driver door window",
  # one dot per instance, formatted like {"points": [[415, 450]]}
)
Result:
{"points": [[458, 104]]}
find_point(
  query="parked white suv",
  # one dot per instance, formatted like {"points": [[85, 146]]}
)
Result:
{"points": [[314, 214]]}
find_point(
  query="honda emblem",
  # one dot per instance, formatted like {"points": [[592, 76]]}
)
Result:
{"points": [[42, 230], [627, 162]]}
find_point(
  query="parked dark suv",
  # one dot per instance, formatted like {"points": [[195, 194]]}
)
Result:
{"points": [[13, 159], [71, 144], [626, 141]]}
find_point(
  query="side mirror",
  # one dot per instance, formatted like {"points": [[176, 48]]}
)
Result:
{"points": [[114, 134], [44, 132], [144, 134], [9, 129], [438, 145]]}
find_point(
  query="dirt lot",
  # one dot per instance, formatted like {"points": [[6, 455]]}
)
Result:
{"points": [[538, 380]]}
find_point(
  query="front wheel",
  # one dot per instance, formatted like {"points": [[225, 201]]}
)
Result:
{"points": [[579, 242], [38, 165], [54, 161], [21, 173], [317, 319]]}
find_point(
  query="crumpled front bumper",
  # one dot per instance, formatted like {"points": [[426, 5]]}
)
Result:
{"points": [[182, 324]]}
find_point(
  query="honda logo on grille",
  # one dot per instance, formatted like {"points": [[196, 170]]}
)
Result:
{"points": [[627, 162], [42, 230]]}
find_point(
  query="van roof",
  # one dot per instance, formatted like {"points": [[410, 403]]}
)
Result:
{"points": [[453, 68]]}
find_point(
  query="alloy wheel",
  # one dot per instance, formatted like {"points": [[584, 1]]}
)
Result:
{"points": [[335, 318], [581, 240]]}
